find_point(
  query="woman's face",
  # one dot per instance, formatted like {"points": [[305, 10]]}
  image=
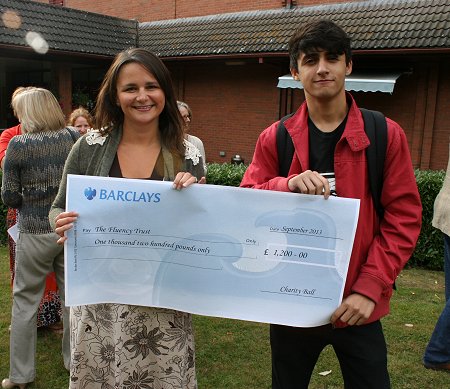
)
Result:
{"points": [[81, 124], [139, 95], [185, 114]]}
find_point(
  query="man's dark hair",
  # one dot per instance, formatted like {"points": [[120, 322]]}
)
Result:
{"points": [[319, 34]]}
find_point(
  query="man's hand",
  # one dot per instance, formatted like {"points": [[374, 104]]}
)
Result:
{"points": [[310, 182], [354, 310]]}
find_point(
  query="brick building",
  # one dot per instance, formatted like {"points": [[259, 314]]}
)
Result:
{"points": [[226, 59]]}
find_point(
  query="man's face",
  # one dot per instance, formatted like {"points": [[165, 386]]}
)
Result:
{"points": [[322, 74]]}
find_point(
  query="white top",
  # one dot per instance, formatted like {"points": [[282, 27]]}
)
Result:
{"points": [[199, 144]]}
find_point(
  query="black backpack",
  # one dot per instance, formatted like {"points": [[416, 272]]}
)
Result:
{"points": [[375, 127]]}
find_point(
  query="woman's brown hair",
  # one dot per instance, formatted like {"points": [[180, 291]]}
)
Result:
{"points": [[108, 114]]}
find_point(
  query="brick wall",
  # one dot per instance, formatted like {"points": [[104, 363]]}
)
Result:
{"points": [[141, 10], [231, 104], [189, 8], [150, 10], [62, 78], [441, 126]]}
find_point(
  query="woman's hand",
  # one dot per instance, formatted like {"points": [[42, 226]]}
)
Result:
{"points": [[183, 180], [64, 222]]}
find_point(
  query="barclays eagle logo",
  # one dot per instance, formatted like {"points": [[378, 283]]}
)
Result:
{"points": [[90, 193]]}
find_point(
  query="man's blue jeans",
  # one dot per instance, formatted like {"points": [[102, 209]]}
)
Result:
{"points": [[438, 349]]}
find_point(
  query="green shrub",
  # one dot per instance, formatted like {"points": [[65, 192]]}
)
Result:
{"points": [[429, 252], [225, 174]]}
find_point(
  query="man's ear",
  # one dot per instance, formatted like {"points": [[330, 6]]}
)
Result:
{"points": [[295, 74], [349, 68]]}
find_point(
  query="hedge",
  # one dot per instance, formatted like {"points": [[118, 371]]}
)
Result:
{"points": [[429, 251]]}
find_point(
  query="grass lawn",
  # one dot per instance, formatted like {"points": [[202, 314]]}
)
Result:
{"points": [[233, 354]]}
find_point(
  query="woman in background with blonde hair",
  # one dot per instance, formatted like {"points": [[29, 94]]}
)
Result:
{"points": [[32, 172], [49, 313]]}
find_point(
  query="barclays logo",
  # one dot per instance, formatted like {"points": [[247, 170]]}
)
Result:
{"points": [[90, 193], [121, 195], [129, 196]]}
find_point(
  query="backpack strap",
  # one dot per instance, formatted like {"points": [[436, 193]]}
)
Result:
{"points": [[375, 127], [285, 148]]}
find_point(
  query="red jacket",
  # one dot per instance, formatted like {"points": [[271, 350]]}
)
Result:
{"points": [[380, 250], [5, 137]]}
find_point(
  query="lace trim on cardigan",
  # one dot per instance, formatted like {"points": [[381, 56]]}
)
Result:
{"points": [[95, 137], [192, 152]]}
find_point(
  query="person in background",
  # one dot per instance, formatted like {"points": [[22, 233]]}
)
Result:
{"points": [[329, 139], [437, 353], [32, 172], [7, 134], [81, 119], [141, 136], [186, 114], [49, 313]]}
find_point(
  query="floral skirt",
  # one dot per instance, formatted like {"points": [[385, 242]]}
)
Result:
{"points": [[50, 308], [128, 347]]}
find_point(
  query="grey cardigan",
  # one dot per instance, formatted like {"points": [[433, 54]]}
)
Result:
{"points": [[93, 155], [32, 172]]}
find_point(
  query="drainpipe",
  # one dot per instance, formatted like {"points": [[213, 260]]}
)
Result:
{"points": [[290, 4]]}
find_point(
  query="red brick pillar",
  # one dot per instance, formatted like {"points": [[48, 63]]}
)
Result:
{"points": [[62, 76]]}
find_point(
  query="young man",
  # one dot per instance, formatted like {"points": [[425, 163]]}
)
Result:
{"points": [[329, 140]]}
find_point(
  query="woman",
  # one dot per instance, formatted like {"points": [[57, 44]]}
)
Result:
{"points": [[437, 352], [140, 136], [32, 172], [186, 114], [81, 119], [49, 313]]}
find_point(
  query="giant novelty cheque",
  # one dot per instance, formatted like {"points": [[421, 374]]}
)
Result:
{"points": [[237, 253]]}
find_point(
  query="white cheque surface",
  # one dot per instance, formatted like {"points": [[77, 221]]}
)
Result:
{"points": [[212, 250]]}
